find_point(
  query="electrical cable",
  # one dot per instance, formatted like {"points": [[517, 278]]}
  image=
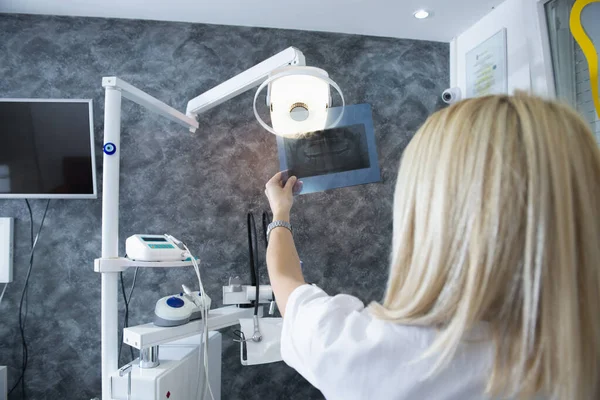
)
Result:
{"points": [[205, 319], [127, 301], [22, 317], [131, 294], [253, 255], [241, 338], [204, 311], [249, 224], [265, 224], [31, 239], [30, 220], [25, 352]]}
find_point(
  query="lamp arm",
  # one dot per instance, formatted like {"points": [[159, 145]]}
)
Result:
{"points": [[151, 103], [244, 81]]}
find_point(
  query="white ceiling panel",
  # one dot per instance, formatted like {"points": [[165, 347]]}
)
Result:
{"points": [[391, 18]]}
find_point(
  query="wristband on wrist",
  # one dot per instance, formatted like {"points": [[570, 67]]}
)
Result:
{"points": [[278, 224]]}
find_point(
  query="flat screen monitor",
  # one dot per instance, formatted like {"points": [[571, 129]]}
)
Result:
{"points": [[47, 149]]}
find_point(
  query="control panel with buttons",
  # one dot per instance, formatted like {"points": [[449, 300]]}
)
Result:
{"points": [[155, 248]]}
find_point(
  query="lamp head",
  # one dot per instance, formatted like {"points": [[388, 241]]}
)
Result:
{"points": [[298, 103], [299, 99]]}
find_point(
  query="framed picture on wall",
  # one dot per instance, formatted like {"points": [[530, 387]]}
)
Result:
{"points": [[486, 67]]}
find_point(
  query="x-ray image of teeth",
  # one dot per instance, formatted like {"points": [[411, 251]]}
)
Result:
{"points": [[341, 156], [328, 151]]}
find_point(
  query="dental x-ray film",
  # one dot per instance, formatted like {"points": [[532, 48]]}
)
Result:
{"points": [[344, 155]]}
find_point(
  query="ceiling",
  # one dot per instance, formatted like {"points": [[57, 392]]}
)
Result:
{"points": [[392, 18]]}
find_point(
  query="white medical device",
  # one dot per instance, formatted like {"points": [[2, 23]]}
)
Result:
{"points": [[175, 373], [179, 309], [154, 248]]}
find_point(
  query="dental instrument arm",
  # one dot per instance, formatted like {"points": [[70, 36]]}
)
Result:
{"points": [[283, 262]]}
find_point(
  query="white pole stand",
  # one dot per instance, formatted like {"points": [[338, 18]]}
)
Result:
{"points": [[110, 264], [110, 235]]}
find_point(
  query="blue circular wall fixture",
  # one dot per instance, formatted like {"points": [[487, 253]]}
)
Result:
{"points": [[109, 148]]}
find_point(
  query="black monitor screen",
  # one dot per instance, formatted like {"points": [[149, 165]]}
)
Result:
{"points": [[46, 149]]}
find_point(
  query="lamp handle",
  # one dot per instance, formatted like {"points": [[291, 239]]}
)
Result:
{"points": [[290, 72]]}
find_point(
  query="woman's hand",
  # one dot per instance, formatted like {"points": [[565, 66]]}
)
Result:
{"points": [[283, 262], [281, 197]]}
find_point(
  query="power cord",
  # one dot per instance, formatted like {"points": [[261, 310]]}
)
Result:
{"points": [[23, 316], [27, 292], [25, 349], [265, 225], [24, 354], [204, 311], [31, 236], [30, 220], [127, 301], [253, 256], [238, 334]]}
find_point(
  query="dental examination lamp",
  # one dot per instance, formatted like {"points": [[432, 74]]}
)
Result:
{"points": [[299, 100], [298, 96]]}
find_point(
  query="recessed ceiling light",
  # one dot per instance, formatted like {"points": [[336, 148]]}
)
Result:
{"points": [[421, 14]]}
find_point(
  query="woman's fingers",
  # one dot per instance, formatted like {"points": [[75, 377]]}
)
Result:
{"points": [[289, 185], [297, 187], [275, 180]]}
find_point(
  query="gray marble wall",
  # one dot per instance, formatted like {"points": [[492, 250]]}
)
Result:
{"points": [[197, 187]]}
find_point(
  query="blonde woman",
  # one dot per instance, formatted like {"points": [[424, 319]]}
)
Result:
{"points": [[494, 282]]}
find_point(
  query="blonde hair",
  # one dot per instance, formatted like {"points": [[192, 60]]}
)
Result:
{"points": [[497, 219]]}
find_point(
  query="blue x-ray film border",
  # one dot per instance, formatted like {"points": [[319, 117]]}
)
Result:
{"points": [[353, 115]]}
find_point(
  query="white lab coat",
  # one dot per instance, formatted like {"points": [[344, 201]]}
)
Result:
{"points": [[348, 354]]}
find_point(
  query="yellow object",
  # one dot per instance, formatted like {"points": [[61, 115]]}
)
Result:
{"points": [[587, 46]]}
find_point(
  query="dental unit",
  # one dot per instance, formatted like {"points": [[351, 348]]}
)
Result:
{"points": [[179, 354]]}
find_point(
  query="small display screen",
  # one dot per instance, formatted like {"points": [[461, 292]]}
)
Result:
{"points": [[154, 239]]}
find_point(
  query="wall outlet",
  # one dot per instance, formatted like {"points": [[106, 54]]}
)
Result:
{"points": [[6, 249]]}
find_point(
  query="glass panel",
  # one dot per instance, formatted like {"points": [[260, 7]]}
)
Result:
{"points": [[571, 72], [590, 20], [562, 47]]}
